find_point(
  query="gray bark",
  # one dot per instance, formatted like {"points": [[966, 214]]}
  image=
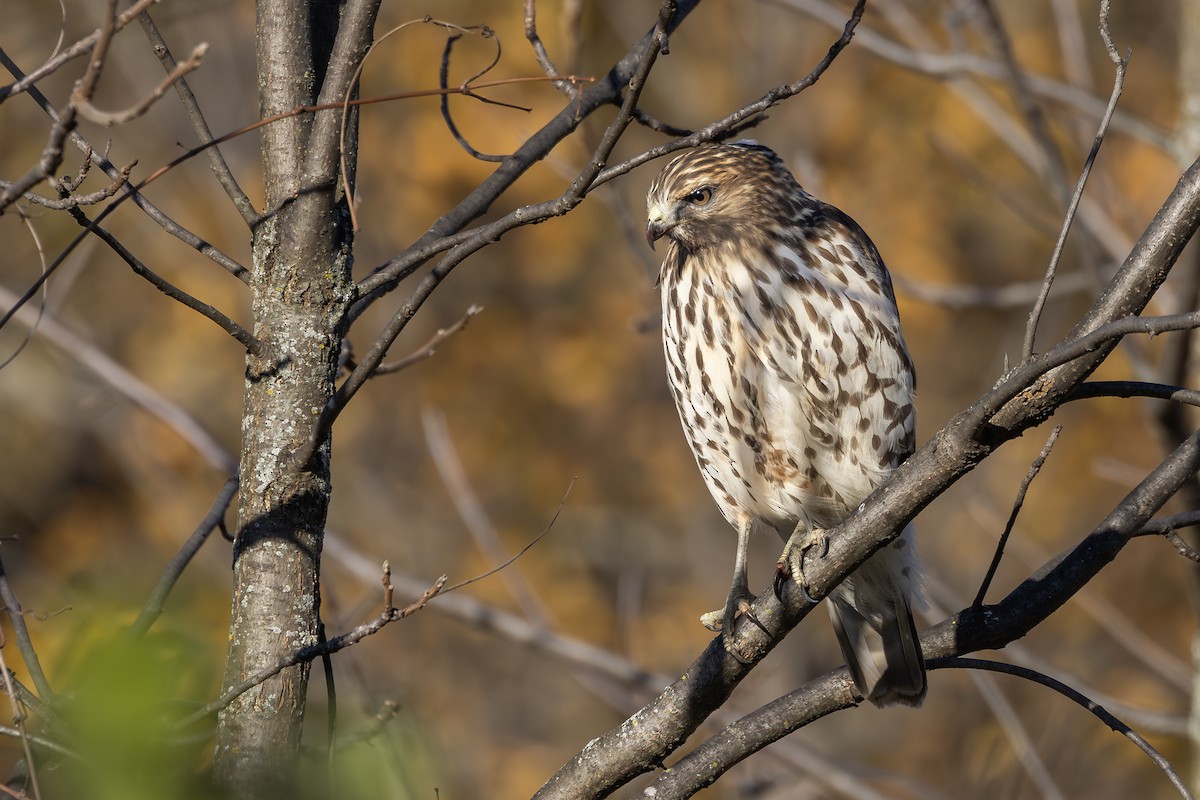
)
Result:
{"points": [[301, 288]]}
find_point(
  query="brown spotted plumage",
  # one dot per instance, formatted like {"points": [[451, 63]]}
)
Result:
{"points": [[793, 383]]}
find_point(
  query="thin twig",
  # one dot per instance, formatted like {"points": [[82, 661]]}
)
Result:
{"points": [[24, 643], [958, 662], [153, 607], [1118, 84], [83, 46], [568, 88], [112, 118], [247, 339], [1032, 473], [443, 83], [568, 200], [429, 349], [549, 525], [388, 615], [68, 200], [191, 105], [1158, 391], [19, 719]]}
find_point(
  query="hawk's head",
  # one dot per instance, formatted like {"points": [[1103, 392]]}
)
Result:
{"points": [[721, 193]]}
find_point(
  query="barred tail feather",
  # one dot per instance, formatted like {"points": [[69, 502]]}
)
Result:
{"points": [[885, 662]]}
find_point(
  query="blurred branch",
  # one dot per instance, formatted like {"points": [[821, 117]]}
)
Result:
{"points": [[1023, 96], [125, 383], [1010, 295], [18, 716], [82, 47], [16, 618], [958, 80], [458, 486], [962, 64]]}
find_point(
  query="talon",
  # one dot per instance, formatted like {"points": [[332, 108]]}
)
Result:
{"points": [[781, 576], [750, 615], [791, 562]]}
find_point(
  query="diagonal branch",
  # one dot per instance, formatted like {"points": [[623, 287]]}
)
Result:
{"points": [[199, 124], [967, 631], [445, 232], [1122, 64], [568, 200], [1020, 401]]}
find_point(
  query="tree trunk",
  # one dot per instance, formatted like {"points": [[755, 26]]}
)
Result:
{"points": [[301, 289]]}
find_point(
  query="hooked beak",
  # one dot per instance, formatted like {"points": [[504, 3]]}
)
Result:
{"points": [[655, 229]]}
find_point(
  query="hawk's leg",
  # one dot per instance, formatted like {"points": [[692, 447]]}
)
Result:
{"points": [[740, 595], [791, 561]]}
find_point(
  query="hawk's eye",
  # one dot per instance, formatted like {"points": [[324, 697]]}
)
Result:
{"points": [[700, 197]]}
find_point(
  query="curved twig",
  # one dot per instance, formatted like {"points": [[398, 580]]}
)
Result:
{"points": [[958, 662], [443, 83]]}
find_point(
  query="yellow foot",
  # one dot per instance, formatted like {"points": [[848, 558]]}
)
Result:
{"points": [[791, 561]]}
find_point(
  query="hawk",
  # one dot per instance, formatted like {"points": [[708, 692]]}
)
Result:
{"points": [[793, 383]]}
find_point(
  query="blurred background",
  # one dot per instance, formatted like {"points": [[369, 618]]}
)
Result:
{"points": [[460, 461]]}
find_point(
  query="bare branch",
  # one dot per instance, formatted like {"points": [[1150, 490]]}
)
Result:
{"points": [[82, 47], [1158, 391], [429, 349], [68, 201], [158, 598], [166, 223], [443, 78], [1118, 84], [446, 232], [226, 324], [486, 234], [199, 124], [1079, 699], [539, 52], [389, 615], [1032, 473], [16, 618], [111, 118]]}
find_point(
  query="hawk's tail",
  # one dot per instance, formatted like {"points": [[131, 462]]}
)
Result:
{"points": [[884, 655]]}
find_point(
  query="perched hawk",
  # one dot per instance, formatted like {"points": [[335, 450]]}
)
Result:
{"points": [[793, 383]]}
